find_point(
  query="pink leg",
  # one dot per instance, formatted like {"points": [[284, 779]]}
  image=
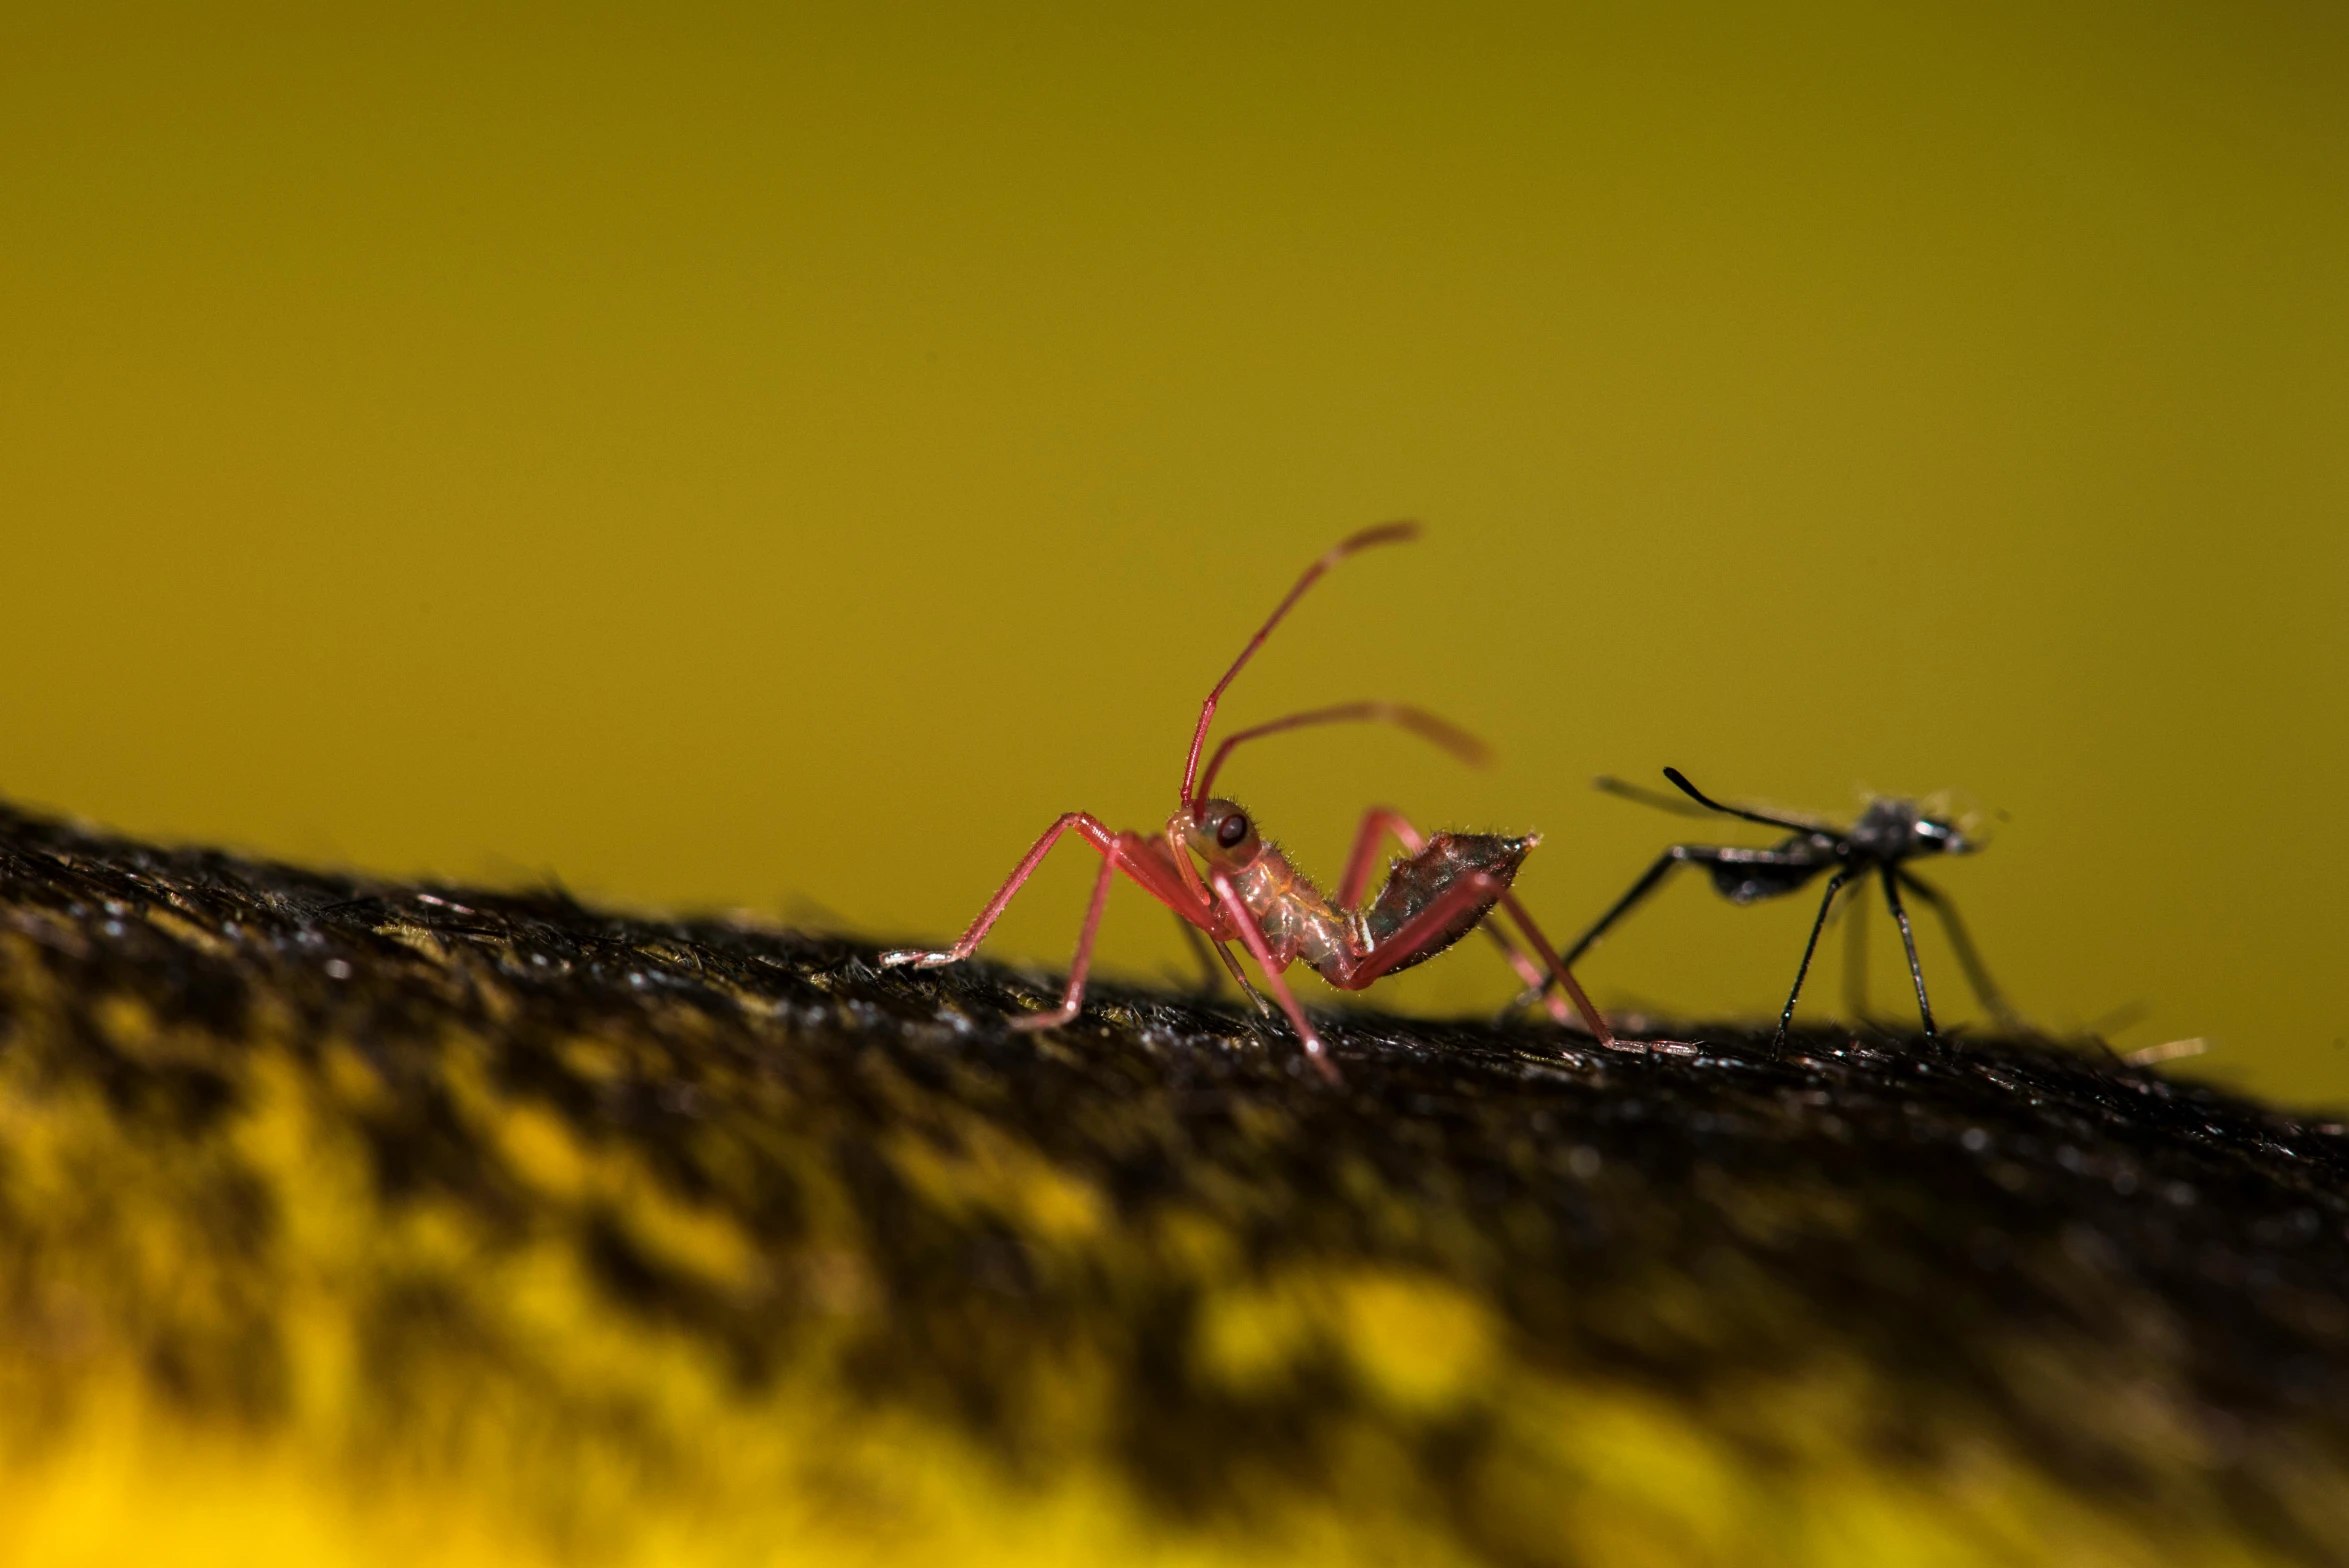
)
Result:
{"points": [[1239, 977], [1591, 1017], [1376, 822], [1231, 965], [1430, 922], [1074, 996], [1234, 907], [1379, 820], [1131, 853], [1422, 928], [1130, 849], [923, 958]]}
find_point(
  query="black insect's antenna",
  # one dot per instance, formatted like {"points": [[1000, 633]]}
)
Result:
{"points": [[1655, 799], [1681, 783]]}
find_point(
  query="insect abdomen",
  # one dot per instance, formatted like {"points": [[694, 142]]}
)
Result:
{"points": [[1744, 882], [1416, 883]]}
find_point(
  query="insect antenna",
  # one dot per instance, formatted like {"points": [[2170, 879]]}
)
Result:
{"points": [[1384, 533], [1656, 798], [1418, 721], [1680, 782]]}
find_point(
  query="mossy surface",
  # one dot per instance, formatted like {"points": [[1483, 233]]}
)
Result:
{"points": [[344, 1221]]}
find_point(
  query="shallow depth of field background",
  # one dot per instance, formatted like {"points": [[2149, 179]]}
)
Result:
{"points": [[730, 460]]}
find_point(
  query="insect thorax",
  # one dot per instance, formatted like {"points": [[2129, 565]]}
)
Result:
{"points": [[1886, 830]]}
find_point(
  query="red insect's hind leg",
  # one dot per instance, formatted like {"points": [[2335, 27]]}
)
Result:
{"points": [[1429, 925], [1237, 910], [1412, 937], [1381, 820], [1377, 822], [1592, 1019]]}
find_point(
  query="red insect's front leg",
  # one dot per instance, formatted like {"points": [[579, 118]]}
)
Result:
{"points": [[1074, 997], [1136, 856], [1131, 853], [1235, 910], [924, 958]]}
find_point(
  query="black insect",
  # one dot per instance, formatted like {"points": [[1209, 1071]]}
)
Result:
{"points": [[1888, 834]]}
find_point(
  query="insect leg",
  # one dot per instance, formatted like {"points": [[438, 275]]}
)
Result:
{"points": [[1136, 857], [1237, 909], [1209, 975], [1977, 974], [1908, 939], [1074, 996], [1591, 1017], [1379, 821], [1127, 852], [921, 958], [1855, 955], [1240, 978], [1648, 883], [1412, 937], [1834, 886], [1209, 954]]}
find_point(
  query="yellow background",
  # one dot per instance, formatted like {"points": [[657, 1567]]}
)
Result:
{"points": [[726, 457]]}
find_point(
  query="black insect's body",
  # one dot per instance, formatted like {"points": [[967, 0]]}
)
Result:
{"points": [[1888, 834]]}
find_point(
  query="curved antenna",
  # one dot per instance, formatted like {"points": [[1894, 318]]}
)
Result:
{"points": [[1418, 721], [1384, 533], [1681, 783], [1610, 785]]}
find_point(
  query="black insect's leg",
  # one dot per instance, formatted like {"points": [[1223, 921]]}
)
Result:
{"points": [[1834, 886], [1855, 954], [1647, 884], [1969, 959], [1908, 939]]}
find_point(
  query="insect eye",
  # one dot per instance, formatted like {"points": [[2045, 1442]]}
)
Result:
{"points": [[1233, 829]]}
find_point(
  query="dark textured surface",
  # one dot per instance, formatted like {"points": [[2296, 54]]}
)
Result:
{"points": [[2132, 1288]]}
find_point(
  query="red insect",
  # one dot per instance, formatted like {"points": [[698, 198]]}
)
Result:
{"points": [[1248, 891]]}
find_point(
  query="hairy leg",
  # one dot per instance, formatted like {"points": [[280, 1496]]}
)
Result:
{"points": [[1131, 853], [1080, 822], [1074, 997], [1215, 960], [1237, 910], [1591, 1017], [1380, 821]]}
